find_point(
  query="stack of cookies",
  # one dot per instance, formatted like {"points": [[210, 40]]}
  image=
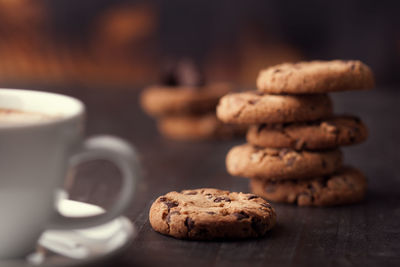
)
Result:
{"points": [[292, 154], [184, 105]]}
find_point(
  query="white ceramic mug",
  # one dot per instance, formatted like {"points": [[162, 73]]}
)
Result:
{"points": [[34, 160]]}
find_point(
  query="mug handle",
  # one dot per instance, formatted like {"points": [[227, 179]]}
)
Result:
{"points": [[125, 158]]}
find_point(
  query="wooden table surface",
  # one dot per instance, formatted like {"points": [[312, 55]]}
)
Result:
{"points": [[365, 234]]}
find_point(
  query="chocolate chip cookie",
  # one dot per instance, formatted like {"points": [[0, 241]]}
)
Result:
{"points": [[198, 128], [206, 214], [345, 186], [161, 101], [253, 108], [324, 134], [273, 164], [315, 77]]}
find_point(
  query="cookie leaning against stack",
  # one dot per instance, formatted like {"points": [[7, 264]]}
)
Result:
{"points": [[293, 154]]}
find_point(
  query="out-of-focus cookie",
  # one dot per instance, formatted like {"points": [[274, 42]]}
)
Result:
{"points": [[161, 100], [315, 77], [324, 134], [198, 127], [206, 214], [254, 108], [276, 164], [346, 186]]}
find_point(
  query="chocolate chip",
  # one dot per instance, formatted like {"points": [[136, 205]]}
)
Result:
{"points": [[277, 70], [219, 199], [170, 214], [352, 135], [261, 127], [171, 204], [311, 188], [191, 193], [227, 199], [290, 161], [266, 205], [209, 195], [352, 66], [189, 223], [163, 199], [258, 225], [210, 212], [253, 101], [324, 181], [252, 197], [240, 215]]}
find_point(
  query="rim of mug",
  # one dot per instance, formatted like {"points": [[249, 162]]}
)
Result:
{"points": [[64, 118]]}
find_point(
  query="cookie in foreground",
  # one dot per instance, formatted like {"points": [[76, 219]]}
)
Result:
{"points": [[208, 214], [346, 186]]}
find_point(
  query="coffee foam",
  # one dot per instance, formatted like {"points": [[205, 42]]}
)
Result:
{"points": [[14, 116]]}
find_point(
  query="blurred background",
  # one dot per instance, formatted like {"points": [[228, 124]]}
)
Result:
{"points": [[126, 43]]}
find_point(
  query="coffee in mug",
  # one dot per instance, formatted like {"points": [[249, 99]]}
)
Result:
{"points": [[14, 116]]}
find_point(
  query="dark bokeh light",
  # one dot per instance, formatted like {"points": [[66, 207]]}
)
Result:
{"points": [[128, 42]]}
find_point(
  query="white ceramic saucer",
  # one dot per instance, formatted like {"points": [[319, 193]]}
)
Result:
{"points": [[76, 247]]}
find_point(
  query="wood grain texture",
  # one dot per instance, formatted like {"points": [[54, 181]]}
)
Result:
{"points": [[365, 234]]}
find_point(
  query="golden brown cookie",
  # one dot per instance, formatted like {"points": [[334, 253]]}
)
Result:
{"points": [[345, 186], [315, 77], [325, 134], [206, 214], [277, 164], [253, 108], [161, 101], [199, 127]]}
